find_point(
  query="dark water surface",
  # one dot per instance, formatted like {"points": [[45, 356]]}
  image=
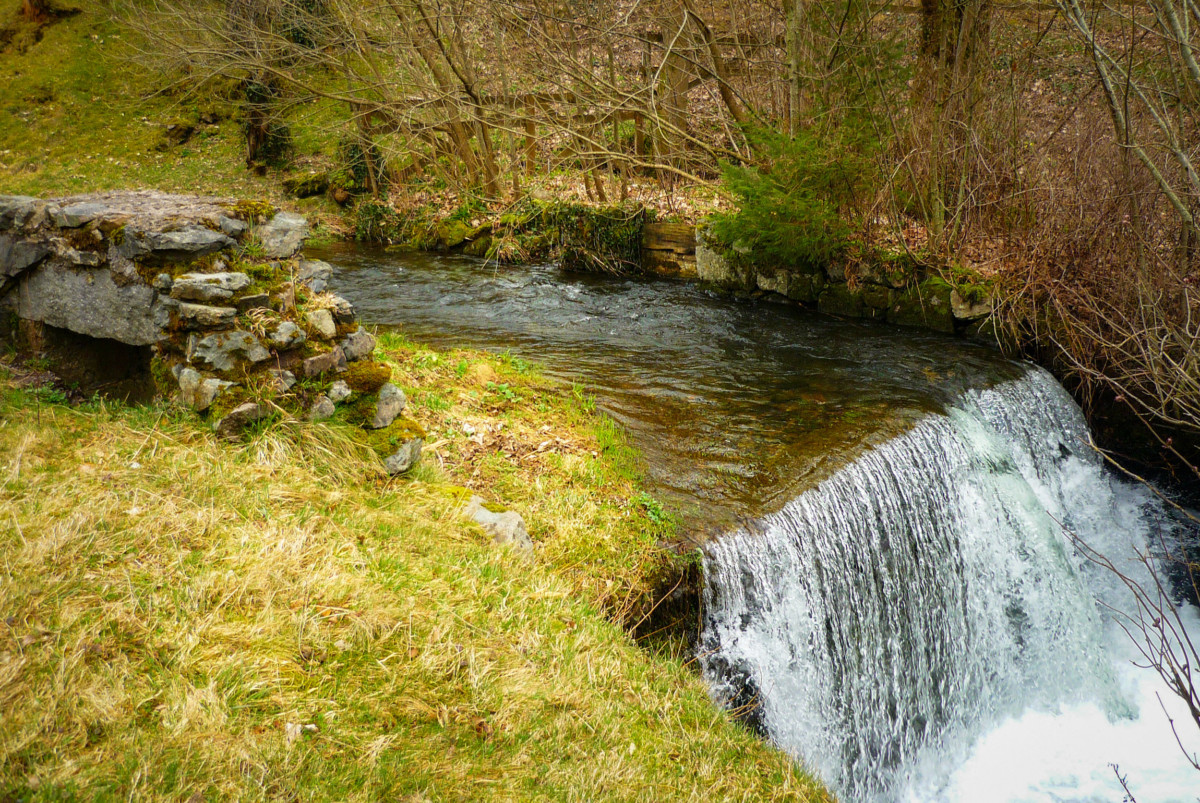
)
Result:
{"points": [[737, 406]]}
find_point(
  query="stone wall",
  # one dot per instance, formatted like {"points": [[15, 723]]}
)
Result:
{"points": [[898, 296], [229, 320]]}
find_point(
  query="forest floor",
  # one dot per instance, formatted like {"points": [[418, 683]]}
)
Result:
{"points": [[193, 620]]}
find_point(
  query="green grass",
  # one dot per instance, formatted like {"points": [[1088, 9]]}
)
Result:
{"points": [[275, 620], [77, 114]]}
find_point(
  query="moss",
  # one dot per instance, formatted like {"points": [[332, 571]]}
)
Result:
{"points": [[452, 233], [384, 442], [838, 299], [358, 411], [478, 246], [307, 186], [163, 377], [367, 377], [253, 211], [227, 401]]}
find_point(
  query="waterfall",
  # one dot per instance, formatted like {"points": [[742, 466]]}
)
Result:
{"points": [[885, 624]]}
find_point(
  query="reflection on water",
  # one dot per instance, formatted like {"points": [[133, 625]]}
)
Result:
{"points": [[736, 406]]}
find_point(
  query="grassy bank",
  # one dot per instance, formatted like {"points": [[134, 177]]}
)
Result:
{"points": [[186, 619]]}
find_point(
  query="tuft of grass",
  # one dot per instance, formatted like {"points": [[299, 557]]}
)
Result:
{"points": [[278, 620]]}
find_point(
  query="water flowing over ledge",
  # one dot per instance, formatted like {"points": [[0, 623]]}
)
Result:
{"points": [[919, 625]]}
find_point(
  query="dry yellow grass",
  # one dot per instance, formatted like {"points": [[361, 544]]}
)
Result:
{"points": [[277, 621]]}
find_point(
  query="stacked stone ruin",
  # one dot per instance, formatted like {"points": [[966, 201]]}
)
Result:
{"points": [[237, 326]]}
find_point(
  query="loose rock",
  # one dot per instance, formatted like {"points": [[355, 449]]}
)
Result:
{"points": [[198, 392], [506, 528], [339, 391], [405, 457], [287, 335], [964, 310], [18, 255], [333, 360], [284, 380], [257, 301], [230, 427], [202, 316], [320, 321], [315, 274], [187, 243], [322, 408], [73, 216], [358, 345], [391, 404], [283, 235]]}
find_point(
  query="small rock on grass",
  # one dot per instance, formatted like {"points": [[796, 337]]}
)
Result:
{"points": [[405, 457], [231, 425], [506, 528]]}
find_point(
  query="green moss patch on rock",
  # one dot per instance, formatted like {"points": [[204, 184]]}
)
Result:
{"points": [[367, 377], [384, 442]]}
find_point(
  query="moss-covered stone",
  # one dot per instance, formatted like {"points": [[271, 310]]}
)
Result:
{"points": [[478, 246], [308, 185], [452, 233], [384, 442], [876, 296], [367, 377], [253, 211], [805, 287], [927, 305], [839, 299]]}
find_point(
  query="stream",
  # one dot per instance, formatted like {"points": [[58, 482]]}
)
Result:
{"points": [[889, 520]]}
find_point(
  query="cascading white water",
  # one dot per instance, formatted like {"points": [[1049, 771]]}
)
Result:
{"points": [[917, 617]]}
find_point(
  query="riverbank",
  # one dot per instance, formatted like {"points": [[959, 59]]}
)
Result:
{"points": [[191, 619]]}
